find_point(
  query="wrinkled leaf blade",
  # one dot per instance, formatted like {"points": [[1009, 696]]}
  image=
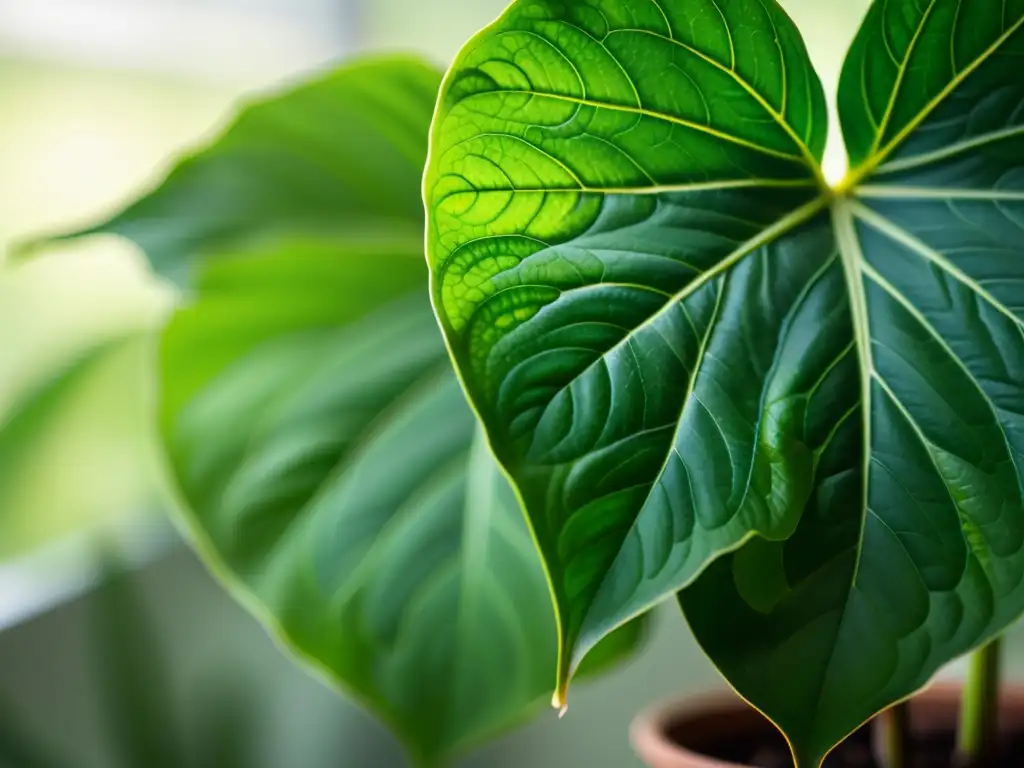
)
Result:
{"points": [[880, 398], [872, 598], [599, 173]]}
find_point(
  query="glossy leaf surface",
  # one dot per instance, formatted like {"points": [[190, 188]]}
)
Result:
{"points": [[339, 156], [592, 211], [871, 598], [680, 340]]}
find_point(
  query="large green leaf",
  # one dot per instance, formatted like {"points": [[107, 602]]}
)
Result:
{"points": [[328, 461], [592, 207], [874, 596], [679, 338], [341, 155]]}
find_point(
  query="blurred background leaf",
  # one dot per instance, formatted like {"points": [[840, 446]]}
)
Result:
{"points": [[341, 155], [50, 409], [326, 467]]}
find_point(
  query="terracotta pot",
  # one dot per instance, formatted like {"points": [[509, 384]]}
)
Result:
{"points": [[676, 734]]}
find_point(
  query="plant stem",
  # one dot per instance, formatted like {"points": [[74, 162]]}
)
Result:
{"points": [[979, 707], [892, 737]]}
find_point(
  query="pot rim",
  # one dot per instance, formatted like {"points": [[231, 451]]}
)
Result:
{"points": [[649, 729]]}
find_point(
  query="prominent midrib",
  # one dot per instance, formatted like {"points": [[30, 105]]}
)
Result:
{"points": [[845, 212], [879, 191], [851, 257], [898, 235], [929, 446], [691, 385], [786, 224]]}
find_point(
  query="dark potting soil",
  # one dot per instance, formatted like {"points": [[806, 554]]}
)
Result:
{"points": [[769, 750]]}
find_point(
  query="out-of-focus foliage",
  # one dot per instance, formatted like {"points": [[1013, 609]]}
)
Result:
{"points": [[324, 452], [339, 157], [139, 712], [134, 689], [19, 748], [50, 407]]}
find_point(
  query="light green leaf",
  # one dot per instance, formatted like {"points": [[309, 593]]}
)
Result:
{"points": [[341, 155], [327, 458], [592, 210], [679, 338]]}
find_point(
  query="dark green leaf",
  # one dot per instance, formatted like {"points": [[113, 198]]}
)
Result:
{"points": [[340, 155], [679, 338], [327, 456], [930, 563], [592, 207]]}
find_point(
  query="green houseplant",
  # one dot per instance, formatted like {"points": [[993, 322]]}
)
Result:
{"points": [[710, 373], [322, 456]]}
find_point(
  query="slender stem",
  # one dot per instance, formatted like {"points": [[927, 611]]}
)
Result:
{"points": [[892, 737], [979, 707]]}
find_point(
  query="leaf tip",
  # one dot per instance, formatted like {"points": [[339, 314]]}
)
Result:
{"points": [[558, 701], [24, 250]]}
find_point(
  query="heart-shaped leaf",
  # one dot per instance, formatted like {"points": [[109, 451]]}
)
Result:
{"points": [[630, 255], [680, 338]]}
